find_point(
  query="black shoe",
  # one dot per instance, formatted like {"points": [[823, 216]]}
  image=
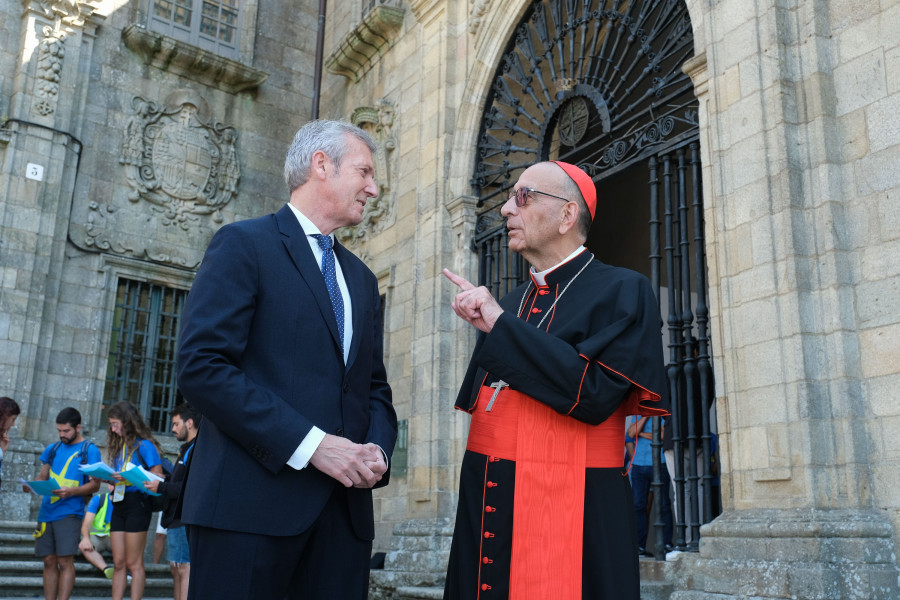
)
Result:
{"points": [[644, 552]]}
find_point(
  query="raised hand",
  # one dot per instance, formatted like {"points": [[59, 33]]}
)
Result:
{"points": [[474, 305]]}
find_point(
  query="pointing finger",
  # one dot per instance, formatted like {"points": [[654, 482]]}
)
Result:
{"points": [[462, 282]]}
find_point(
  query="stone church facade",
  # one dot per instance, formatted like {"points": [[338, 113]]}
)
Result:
{"points": [[745, 156]]}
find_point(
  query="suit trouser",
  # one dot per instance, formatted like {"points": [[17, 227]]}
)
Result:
{"points": [[327, 561]]}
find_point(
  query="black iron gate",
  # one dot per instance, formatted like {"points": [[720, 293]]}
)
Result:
{"points": [[599, 83]]}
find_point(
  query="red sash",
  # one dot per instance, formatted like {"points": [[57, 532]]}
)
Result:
{"points": [[551, 452]]}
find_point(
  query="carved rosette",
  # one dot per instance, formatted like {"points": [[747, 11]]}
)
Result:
{"points": [[379, 212]]}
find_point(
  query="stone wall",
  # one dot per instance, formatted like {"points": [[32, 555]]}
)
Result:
{"points": [[796, 155], [794, 121]]}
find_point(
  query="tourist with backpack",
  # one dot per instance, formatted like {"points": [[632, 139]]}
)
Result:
{"points": [[130, 442], [60, 516]]}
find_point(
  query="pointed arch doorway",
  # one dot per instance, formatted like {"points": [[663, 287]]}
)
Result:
{"points": [[598, 83]]}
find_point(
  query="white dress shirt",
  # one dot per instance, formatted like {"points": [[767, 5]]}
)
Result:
{"points": [[300, 458]]}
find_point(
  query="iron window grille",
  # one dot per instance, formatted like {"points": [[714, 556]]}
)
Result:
{"points": [[142, 350]]}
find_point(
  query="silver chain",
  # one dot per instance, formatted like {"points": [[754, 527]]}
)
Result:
{"points": [[550, 310]]}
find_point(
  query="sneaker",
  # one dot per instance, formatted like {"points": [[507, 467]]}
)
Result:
{"points": [[108, 571]]}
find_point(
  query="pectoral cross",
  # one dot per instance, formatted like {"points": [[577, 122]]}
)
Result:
{"points": [[497, 385]]}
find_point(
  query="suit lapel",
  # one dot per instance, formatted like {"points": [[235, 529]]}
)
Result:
{"points": [[297, 246]]}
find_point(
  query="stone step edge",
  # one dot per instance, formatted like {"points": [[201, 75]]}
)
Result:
{"points": [[6, 524], [79, 566], [38, 582], [423, 593]]}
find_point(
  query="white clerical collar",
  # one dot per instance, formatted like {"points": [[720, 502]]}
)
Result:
{"points": [[308, 226], [540, 277]]}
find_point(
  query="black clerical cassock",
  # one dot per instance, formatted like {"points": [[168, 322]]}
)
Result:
{"points": [[545, 510]]}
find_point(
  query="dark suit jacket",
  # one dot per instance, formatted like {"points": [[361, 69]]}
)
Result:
{"points": [[260, 357]]}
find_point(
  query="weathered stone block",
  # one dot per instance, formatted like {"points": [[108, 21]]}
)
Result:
{"points": [[860, 82], [814, 581], [878, 263], [892, 69], [878, 347], [878, 302], [883, 123]]}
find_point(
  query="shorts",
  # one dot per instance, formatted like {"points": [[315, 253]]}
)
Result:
{"points": [[131, 514], [101, 543], [177, 542], [60, 537]]}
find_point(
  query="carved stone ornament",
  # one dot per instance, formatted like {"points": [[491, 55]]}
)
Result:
{"points": [[180, 159], [186, 60], [477, 13], [375, 35], [51, 53], [70, 12], [182, 171], [378, 121]]}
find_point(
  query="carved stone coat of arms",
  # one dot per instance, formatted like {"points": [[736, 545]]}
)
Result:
{"points": [[179, 159], [181, 169]]}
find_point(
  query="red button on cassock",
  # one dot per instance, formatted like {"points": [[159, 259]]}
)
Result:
{"points": [[491, 484], [487, 561], [489, 509], [485, 587], [488, 535], [535, 310]]}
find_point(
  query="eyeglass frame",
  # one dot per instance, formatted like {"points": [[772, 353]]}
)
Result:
{"points": [[520, 196]]}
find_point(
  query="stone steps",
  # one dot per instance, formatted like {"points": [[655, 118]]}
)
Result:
{"points": [[21, 571], [85, 586], [419, 593], [654, 585]]}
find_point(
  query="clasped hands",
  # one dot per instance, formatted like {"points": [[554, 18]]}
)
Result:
{"points": [[474, 305], [352, 464]]}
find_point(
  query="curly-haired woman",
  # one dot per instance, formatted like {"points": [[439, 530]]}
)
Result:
{"points": [[129, 441]]}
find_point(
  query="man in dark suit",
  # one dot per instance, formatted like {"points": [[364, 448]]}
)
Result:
{"points": [[281, 350]]}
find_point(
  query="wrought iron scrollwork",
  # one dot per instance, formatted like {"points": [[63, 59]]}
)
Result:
{"points": [[623, 56]]}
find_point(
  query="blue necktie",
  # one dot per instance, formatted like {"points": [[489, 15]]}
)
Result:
{"points": [[328, 272]]}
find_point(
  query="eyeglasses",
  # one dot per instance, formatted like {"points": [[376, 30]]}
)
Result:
{"points": [[521, 195]]}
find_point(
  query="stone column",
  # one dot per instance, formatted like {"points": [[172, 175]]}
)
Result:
{"points": [[39, 155], [780, 131], [40, 152]]}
